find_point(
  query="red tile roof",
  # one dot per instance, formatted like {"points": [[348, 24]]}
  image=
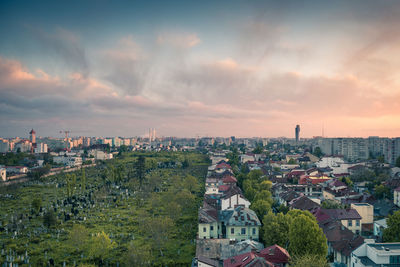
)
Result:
{"points": [[229, 180]]}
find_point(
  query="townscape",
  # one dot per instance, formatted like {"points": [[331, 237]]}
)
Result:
{"points": [[236, 133], [258, 202]]}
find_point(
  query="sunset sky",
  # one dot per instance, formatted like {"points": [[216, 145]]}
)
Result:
{"points": [[208, 68]]}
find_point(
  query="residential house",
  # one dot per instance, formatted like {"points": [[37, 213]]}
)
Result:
{"points": [[206, 262], [273, 256], [341, 242], [233, 198], [304, 203], [240, 223], [376, 254], [379, 227], [209, 226], [349, 218], [366, 212]]}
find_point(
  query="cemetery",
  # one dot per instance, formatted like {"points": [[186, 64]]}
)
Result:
{"points": [[137, 209]]}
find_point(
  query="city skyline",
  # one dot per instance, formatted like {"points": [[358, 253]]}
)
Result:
{"points": [[231, 68]]}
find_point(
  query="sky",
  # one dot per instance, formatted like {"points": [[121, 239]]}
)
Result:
{"points": [[200, 68]]}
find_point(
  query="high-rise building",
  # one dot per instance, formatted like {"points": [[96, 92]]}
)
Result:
{"points": [[32, 134], [297, 133]]}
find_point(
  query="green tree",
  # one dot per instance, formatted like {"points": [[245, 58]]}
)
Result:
{"points": [[318, 152], [140, 167], [37, 204], [292, 161], [276, 229], [392, 232], [83, 180], [78, 237], [137, 255], [398, 162], [381, 191], [309, 260], [305, 237], [100, 247], [258, 150], [191, 184], [331, 204], [49, 219], [261, 207]]}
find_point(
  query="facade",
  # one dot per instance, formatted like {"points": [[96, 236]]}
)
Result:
{"points": [[379, 226], [240, 224], [297, 133], [230, 201], [366, 212], [68, 161], [4, 145], [3, 174], [396, 196], [41, 148], [17, 169], [376, 254]]}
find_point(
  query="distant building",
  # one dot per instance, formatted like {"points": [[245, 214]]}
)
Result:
{"points": [[4, 145], [3, 174], [376, 254], [297, 133], [41, 148], [379, 226], [396, 196], [32, 135]]}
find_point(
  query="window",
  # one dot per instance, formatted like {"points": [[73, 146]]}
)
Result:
{"points": [[204, 229], [211, 228], [243, 231], [395, 259], [254, 231], [349, 223], [232, 230], [358, 223]]}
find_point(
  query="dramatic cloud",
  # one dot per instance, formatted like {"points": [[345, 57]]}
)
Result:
{"points": [[257, 74]]}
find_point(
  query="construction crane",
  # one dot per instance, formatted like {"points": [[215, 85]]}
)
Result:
{"points": [[66, 134]]}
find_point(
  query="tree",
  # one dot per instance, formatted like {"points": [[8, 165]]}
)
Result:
{"points": [[309, 260], [185, 163], [140, 167], [37, 204], [261, 207], [292, 161], [318, 152], [49, 219], [258, 150], [331, 204], [137, 255], [191, 184], [392, 232], [100, 246], [381, 191], [276, 229], [305, 237], [398, 162], [78, 237], [83, 180]]}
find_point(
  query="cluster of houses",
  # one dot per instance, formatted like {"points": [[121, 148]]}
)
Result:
{"points": [[353, 221], [228, 230], [354, 231]]}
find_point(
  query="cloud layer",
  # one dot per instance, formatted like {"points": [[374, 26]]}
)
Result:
{"points": [[269, 78]]}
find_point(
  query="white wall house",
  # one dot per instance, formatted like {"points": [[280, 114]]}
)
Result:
{"points": [[376, 254], [229, 202]]}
